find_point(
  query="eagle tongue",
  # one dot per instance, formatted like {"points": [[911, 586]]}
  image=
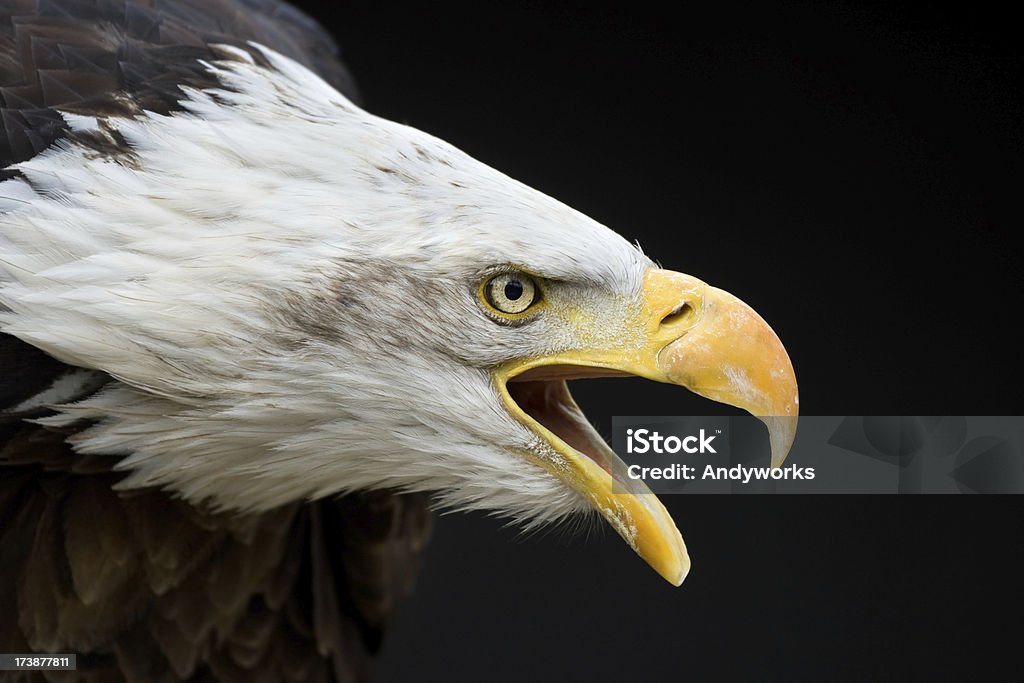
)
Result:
{"points": [[552, 406]]}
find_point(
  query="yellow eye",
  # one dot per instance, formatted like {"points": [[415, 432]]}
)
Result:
{"points": [[510, 292]]}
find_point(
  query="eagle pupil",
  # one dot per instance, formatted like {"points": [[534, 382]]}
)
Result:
{"points": [[513, 290]]}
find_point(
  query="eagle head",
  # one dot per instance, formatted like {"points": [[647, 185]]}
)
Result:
{"points": [[297, 298]]}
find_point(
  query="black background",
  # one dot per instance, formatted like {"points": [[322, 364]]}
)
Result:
{"points": [[855, 175]]}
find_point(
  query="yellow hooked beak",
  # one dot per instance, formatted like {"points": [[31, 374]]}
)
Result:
{"points": [[686, 333]]}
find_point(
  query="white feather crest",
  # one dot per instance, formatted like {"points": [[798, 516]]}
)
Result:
{"points": [[179, 267]]}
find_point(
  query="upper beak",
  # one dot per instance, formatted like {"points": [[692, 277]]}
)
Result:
{"points": [[719, 347], [690, 334]]}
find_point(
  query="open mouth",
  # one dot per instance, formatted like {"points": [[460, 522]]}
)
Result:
{"points": [[686, 333], [545, 404], [550, 406], [539, 398]]}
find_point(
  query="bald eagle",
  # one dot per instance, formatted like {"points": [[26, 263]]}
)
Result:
{"points": [[247, 328]]}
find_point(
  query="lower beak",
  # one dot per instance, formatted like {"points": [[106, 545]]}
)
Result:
{"points": [[693, 335]]}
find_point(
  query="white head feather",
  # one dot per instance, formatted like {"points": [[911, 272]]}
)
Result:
{"points": [[284, 286]]}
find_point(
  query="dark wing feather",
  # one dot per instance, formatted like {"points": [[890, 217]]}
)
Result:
{"points": [[143, 586], [112, 56]]}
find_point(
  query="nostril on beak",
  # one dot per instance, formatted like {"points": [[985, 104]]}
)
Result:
{"points": [[683, 310]]}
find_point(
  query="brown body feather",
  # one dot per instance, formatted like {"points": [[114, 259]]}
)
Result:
{"points": [[140, 585]]}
